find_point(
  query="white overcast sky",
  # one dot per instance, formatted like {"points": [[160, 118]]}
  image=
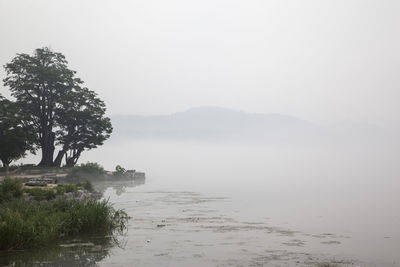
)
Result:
{"points": [[316, 59]]}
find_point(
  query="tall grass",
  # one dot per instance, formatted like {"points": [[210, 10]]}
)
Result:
{"points": [[10, 188], [25, 224]]}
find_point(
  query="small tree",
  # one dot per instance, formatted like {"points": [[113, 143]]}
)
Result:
{"points": [[16, 136]]}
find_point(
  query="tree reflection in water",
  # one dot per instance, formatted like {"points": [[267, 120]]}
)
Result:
{"points": [[119, 185]]}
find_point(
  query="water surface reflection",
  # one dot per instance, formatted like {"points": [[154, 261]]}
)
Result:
{"points": [[85, 251]]}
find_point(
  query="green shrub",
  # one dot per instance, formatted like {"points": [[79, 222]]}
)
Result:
{"points": [[66, 188], [10, 188], [88, 186], [86, 171]]}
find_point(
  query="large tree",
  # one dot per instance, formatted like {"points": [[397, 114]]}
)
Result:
{"points": [[16, 135], [44, 87]]}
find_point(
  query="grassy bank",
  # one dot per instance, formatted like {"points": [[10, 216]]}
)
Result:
{"points": [[26, 224]]}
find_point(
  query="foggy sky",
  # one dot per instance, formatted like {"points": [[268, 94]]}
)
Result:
{"points": [[319, 60]]}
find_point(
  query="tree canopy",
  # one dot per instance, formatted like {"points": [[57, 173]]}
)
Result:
{"points": [[15, 133], [62, 111]]}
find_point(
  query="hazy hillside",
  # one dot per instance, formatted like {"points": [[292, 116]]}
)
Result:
{"points": [[224, 125], [212, 123]]}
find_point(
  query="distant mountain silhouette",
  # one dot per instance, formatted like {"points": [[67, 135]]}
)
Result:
{"points": [[219, 124]]}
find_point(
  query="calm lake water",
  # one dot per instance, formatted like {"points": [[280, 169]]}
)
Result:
{"points": [[224, 205]]}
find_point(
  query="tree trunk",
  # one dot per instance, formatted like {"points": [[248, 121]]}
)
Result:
{"points": [[47, 156], [6, 167], [48, 150], [71, 161], [58, 160], [6, 164]]}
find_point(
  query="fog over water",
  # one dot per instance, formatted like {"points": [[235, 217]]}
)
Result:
{"points": [[349, 191]]}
